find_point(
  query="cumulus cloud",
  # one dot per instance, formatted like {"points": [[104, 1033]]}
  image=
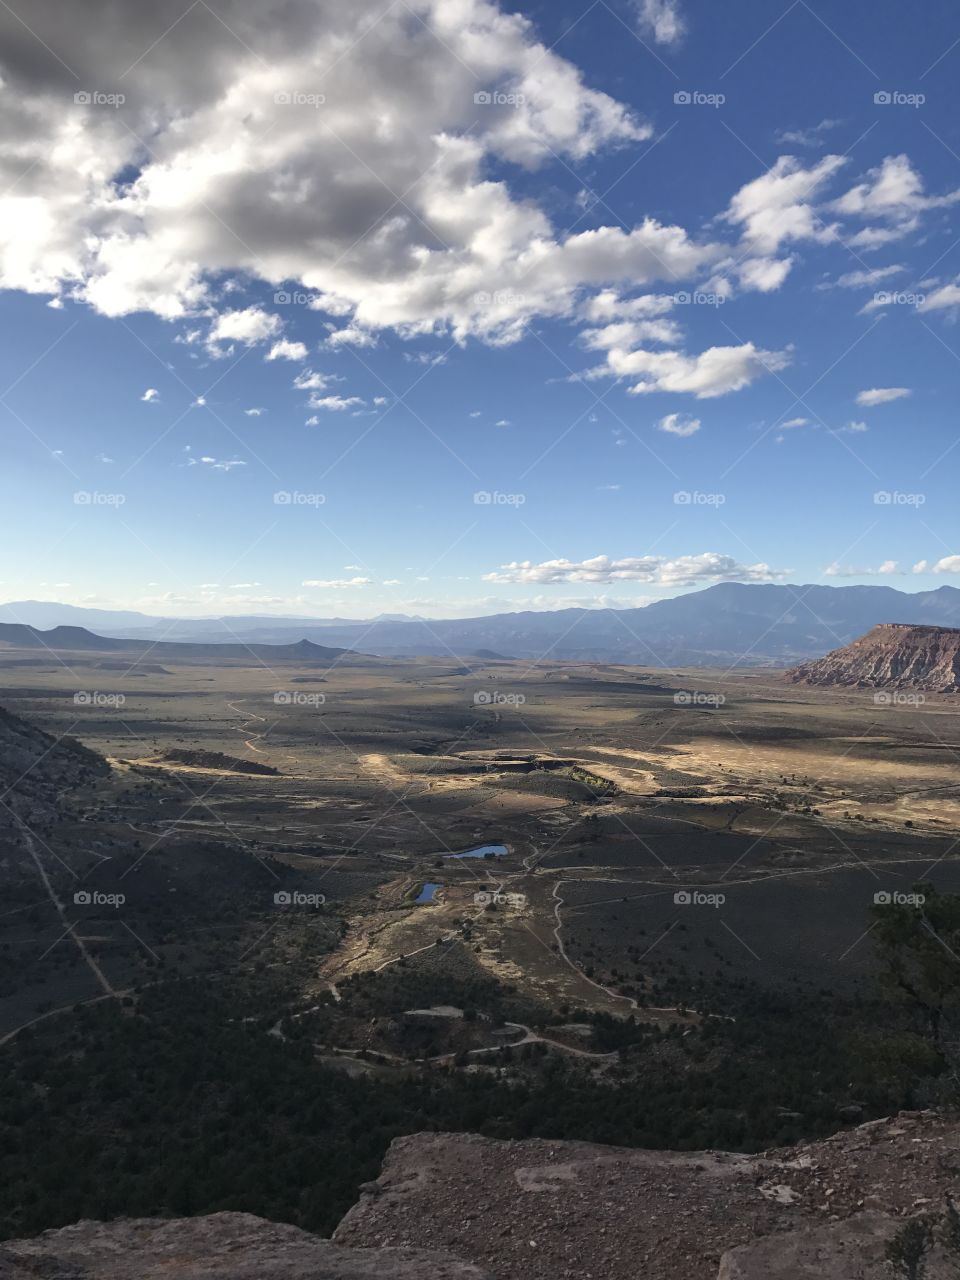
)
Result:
{"points": [[248, 327], [335, 404], [311, 380], [881, 395], [713, 372], [350, 336], [252, 149], [682, 571], [222, 159], [337, 583], [893, 193], [661, 20], [779, 205], [628, 333], [948, 564], [886, 569], [287, 350], [893, 190], [679, 424], [763, 275], [608, 305], [150, 396]]}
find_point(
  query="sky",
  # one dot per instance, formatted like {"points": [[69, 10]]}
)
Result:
{"points": [[446, 307]]}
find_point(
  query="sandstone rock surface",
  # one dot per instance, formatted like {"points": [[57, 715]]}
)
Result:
{"points": [[895, 656], [221, 1246], [538, 1210]]}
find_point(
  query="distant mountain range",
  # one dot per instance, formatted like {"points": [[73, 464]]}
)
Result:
{"points": [[743, 624]]}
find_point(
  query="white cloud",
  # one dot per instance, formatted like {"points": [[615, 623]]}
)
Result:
{"points": [[609, 305], [679, 424], [714, 372], [948, 564], [881, 395], [662, 20], [682, 571], [894, 193], [947, 295], [351, 336], [335, 404], [779, 205], [337, 583], [217, 464], [630, 333], [430, 358], [254, 413], [811, 137], [150, 396], [894, 190], [287, 350], [862, 279], [311, 380], [240, 185], [248, 327], [763, 275], [887, 569], [238, 181]]}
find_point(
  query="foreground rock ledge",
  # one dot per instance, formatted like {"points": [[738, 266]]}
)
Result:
{"points": [[537, 1210], [460, 1207], [222, 1246]]}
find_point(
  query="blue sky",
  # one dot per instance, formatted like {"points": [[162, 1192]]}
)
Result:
{"points": [[323, 331]]}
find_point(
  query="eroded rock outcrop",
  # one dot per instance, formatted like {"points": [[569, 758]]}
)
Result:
{"points": [[891, 656], [539, 1210]]}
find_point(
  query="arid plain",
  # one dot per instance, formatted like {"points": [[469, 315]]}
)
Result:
{"points": [[647, 825]]}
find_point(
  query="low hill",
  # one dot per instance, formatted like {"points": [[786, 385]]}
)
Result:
{"points": [[897, 656], [36, 769], [16, 635], [218, 762]]}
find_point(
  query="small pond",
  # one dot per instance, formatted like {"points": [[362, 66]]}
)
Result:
{"points": [[484, 851]]}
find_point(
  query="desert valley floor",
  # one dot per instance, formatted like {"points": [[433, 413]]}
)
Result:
{"points": [[643, 822]]}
